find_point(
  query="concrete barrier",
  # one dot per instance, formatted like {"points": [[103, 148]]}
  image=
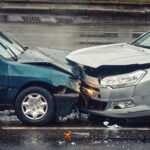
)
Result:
{"points": [[77, 12]]}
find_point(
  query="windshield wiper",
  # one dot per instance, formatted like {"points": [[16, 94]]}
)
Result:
{"points": [[25, 48], [141, 46], [16, 58]]}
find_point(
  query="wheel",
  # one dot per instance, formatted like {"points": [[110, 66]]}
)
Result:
{"points": [[34, 106]]}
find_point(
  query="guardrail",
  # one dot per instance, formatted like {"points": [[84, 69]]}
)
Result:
{"points": [[104, 3]]}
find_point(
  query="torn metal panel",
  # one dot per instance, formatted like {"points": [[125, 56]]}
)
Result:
{"points": [[49, 57]]}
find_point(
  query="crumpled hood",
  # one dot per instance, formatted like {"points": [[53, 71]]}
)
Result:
{"points": [[46, 56], [114, 54]]}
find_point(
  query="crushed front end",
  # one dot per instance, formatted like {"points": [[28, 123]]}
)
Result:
{"points": [[90, 96], [66, 97], [116, 91]]}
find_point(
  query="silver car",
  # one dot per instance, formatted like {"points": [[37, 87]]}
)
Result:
{"points": [[115, 78]]}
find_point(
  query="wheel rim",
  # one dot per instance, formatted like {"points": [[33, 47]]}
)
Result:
{"points": [[34, 106]]}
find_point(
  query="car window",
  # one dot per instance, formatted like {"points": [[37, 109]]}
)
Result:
{"points": [[144, 41], [13, 45], [5, 52]]}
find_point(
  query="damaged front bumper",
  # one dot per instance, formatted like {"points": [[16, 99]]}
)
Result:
{"points": [[66, 96], [65, 102], [138, 111], [113, 103]]}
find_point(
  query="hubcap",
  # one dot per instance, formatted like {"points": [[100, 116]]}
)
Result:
{"points": [[34, 106]]}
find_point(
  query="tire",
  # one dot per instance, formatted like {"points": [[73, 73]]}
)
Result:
{"points": [[34, 106]]}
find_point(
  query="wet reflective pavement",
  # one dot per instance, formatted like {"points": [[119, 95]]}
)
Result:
{"points": [[71, 37], [88, 133], [85, 138], [125, 145]]}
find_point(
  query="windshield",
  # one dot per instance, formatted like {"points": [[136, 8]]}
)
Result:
{"points": [[6, 52], [143, 41], [12, 44]]}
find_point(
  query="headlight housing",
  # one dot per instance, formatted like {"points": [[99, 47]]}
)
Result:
{"points": [[91, 81], [124, 80]]}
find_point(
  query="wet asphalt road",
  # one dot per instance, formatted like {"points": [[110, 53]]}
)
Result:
{"points": [[71, 38], [121, 145]]}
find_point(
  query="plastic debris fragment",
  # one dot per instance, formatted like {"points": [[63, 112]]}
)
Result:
{"points": [[111, 127], [61, 142], [72, 143]]}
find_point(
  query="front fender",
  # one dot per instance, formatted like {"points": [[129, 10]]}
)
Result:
{"points": [[22, 74]]}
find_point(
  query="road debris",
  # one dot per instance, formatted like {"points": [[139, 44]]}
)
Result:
{"points": [[111, 132], [68, 135], [61, 142], [73, 143], [105, 141], [96, 142], [111, 127]]}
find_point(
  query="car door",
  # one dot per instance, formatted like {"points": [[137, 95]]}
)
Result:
{"points": [[3, 80]]}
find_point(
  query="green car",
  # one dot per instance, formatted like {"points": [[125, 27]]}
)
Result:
{"points": [[38, 83]]}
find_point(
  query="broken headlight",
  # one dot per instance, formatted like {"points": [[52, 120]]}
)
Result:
{"points": [[92, 92], [91, 81], [124, 80]]}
